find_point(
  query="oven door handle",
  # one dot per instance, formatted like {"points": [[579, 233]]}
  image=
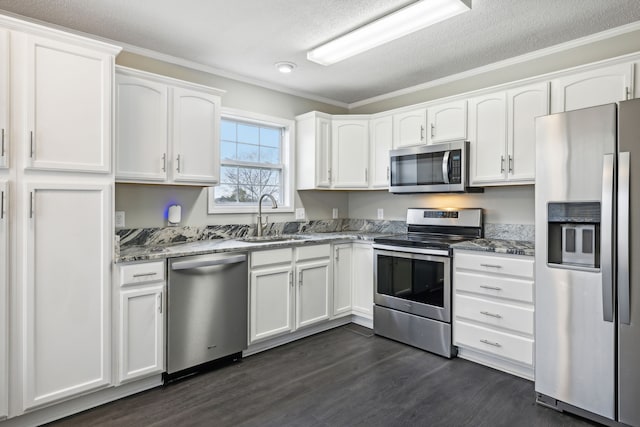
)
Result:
{"points": [[445, 167], [412, 253]]}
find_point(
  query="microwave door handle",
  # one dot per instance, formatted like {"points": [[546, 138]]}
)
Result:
{"points": [[445, 166], [623, 239]]}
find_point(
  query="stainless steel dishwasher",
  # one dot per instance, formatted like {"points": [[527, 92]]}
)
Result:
{"points": [[206, 311]]}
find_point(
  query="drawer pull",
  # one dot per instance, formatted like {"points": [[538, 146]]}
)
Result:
{"points": [[145, 274], [492, 288], [491, 265], [495, 344], [486, 313]]}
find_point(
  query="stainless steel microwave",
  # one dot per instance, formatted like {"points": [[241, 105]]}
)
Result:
{"points": [[438, 168]]}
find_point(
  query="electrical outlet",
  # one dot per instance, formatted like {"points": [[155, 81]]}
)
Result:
{"points": [[119, 219], [335, 213], [380, 213], [300, 213]]}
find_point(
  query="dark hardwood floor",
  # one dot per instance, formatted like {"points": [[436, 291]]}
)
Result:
{"points": [[343, 377]]}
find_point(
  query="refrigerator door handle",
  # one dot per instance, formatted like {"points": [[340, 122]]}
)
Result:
{"points": [[606, 229], [624, 308]]}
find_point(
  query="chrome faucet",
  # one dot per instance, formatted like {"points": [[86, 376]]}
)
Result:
{"points": [[274, 205]]}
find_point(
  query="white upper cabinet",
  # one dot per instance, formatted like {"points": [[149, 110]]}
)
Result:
{"points": [[380, 142], [313, 153], [502, 135], [409, 128], [4, 98], [167, 131], [350, 151], [488, 137], [590, 88], [447, 122], [524, 104], [68, 104], [65, 291], [196, 121], [141, 129]]}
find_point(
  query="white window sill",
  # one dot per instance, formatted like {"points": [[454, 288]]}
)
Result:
{"points": [[266, 209]]}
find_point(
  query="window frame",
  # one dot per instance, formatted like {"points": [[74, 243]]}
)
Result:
{"points": [[287, 156]]}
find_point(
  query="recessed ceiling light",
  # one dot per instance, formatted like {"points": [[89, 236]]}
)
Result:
{"points": [[398, 24], [285, 67]]}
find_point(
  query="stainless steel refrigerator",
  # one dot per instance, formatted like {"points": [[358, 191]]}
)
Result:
{"points": [[587, 212]]}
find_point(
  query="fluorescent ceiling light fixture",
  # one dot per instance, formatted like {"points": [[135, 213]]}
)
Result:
{"points": [[398, 24], [285, 67]]}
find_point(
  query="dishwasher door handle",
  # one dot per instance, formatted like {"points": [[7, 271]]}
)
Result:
{"points": [[208, 262]]}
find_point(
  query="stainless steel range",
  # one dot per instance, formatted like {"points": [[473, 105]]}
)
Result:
{"points": [[413, 277]]}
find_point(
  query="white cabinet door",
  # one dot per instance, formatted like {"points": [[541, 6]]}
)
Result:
{"points": [[141, 129], [380, 142], [447, 122], [141, 346], [313, 151], [588, 89], [4, 284], [68, 124], [4, 98], [196, 117], [363, 279], [342, 279], [270, 302], [523, 106], [66, 317], [312, 303], [350, 150], [488, 138], [409, 128]]}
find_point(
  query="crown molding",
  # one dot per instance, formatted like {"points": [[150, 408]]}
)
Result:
{"points": [[603, 35]]}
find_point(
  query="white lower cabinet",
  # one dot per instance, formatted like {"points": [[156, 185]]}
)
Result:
{"points": [[362, 261], [342, 279], [140, 293], [270, 293], [280, 303], [313, 291], [65, 289], [493, 310], [4, 284]]}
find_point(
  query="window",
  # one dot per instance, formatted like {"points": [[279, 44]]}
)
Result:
{"points": [[254, 160]]}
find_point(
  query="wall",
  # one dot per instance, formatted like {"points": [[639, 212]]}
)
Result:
{"points": [[144, 205], [502, 205]]}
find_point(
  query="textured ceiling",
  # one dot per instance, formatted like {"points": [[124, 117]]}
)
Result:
{"points": [[246, 37]]}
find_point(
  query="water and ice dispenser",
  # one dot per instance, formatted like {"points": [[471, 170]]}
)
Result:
{"points": [[574, 234]]}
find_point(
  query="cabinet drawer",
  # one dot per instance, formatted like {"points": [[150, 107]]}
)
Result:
{"points": [[521, 266], [311, 252], [490, 341], [142, 273], [272, 256], [519, 319], [515, 289]]}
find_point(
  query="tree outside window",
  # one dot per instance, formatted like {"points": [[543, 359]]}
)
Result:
{"points": [[251, 163]]}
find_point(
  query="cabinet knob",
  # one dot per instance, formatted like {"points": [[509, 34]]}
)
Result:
{"points": [[501, 164], [421, 133], [510, 164], [433, 130]]}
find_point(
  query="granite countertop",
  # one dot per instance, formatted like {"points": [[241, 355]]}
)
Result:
{"points": [[514, 247], [157, 252]]}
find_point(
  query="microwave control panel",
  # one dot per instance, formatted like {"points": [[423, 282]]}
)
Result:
{"points": [[455, 167]]}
